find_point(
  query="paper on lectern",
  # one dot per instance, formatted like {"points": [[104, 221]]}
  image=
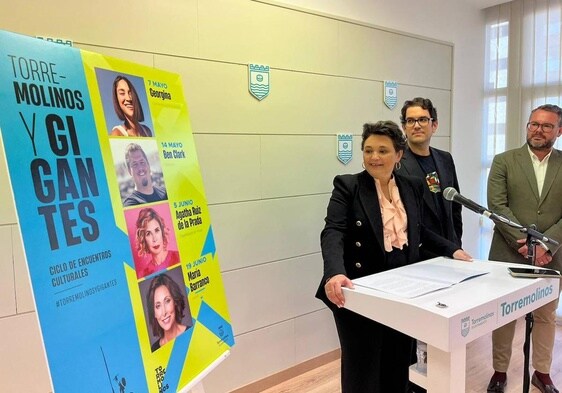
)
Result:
{"points": [[418, 279]]}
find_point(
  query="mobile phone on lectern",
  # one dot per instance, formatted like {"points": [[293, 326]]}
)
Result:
{"points": [[533, 272]]}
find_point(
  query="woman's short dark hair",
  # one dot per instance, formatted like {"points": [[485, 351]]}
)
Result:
{"points": [[387, 128], [145, 216], [177, 295], [139, 114]]}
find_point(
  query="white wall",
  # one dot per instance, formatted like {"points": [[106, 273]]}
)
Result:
{"points": [[267, 166], [461, 23]]}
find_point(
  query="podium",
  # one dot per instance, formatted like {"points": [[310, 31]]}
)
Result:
{"points": [[448, 319]]}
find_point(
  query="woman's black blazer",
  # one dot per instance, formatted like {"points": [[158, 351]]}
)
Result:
{"points": [[352, 238]]}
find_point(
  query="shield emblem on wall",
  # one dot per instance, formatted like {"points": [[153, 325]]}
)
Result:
{"points": [[258, 80], [390, 94], [345, 148]]}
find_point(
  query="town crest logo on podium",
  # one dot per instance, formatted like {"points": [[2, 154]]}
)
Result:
{"points": [[390, 94], [345, 148], [258, 80], [465, 326]]}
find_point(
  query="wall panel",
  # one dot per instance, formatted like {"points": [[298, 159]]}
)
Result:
{"points": [[255, 233], [228, 166], [7, 288], [23, 367], [375, 54], [7, 207], [315, 333], [417, 61], [252, 32], [256, 355], [302, 165], [22, 282], [278, 291], [166, 26]]}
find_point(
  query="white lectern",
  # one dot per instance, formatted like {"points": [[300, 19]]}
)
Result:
{"points": [[450, 318]]}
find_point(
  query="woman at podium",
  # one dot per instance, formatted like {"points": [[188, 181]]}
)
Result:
{"points": [[373, 224]]}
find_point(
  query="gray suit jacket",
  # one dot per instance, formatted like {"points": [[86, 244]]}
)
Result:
{"points": [[513, 193]]}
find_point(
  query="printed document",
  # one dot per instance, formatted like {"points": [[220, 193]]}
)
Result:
{"points": [[417, 279]]}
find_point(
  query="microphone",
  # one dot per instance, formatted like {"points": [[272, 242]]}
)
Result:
{"points": [[453, 195]]}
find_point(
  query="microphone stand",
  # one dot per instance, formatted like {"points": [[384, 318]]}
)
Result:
{"points": [[533, 238], [531, 243]]}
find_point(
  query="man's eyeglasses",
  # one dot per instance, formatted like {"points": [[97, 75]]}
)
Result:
{"points": [[422, 121], [545, 127]]}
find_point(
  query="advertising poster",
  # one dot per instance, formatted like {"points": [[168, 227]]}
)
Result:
{"points": [[114, 220]]}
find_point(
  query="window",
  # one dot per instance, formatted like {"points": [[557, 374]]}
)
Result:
{"points": [[494, 112], [523, 69]]}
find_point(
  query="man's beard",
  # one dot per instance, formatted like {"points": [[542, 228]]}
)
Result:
{"points": [[546, 145]]}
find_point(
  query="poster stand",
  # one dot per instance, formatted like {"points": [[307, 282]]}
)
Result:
{"points": [[196, 386]]}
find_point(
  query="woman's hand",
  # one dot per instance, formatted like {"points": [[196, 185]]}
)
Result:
{"points": [[333, 289], [462, 255]]}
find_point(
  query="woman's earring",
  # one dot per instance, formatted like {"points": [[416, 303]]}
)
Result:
{"points": [[398, 165]]}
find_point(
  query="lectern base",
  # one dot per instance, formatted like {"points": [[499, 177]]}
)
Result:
{"points": [[444, 371]]}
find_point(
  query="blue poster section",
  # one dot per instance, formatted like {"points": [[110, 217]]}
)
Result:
{"points": [[62, 198]]}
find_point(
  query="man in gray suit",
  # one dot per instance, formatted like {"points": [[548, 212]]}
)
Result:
{"points": [[525, 185]]}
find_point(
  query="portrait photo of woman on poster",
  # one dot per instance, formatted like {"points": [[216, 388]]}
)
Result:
{"points": [[166, 306], [152, 236], [125, 104], [128, 109]]}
